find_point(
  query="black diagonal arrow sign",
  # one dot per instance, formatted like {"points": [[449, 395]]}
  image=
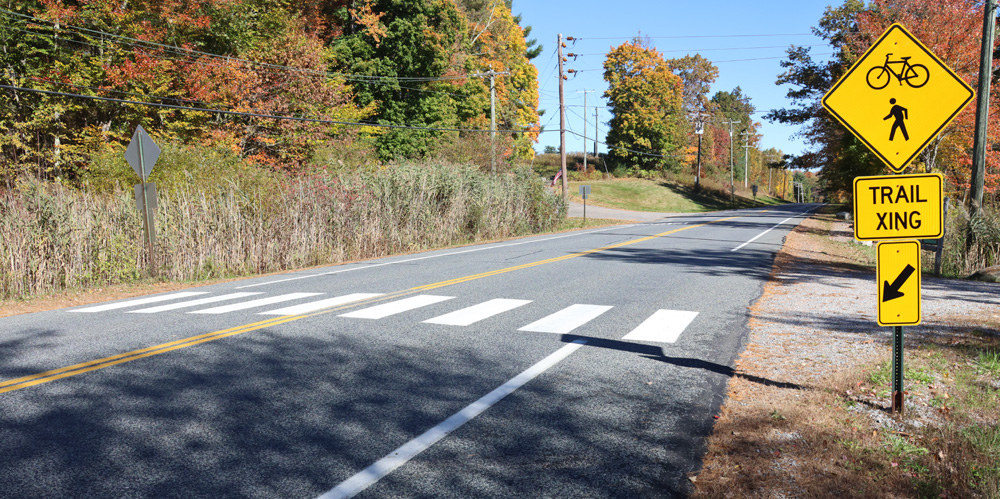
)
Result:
{"points": [[891, 291]]}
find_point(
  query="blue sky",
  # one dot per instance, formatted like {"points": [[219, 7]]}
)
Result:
{"points": [[678, 28]]}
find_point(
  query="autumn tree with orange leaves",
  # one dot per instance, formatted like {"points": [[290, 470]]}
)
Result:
{"points": [[217, 73], [951, 29], [228, 55]]}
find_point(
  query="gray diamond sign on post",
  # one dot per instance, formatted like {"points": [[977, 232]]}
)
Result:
{"points": [[142, 154]]}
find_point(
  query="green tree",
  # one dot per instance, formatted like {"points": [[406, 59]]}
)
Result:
{"points": [[407, 49], [645, 101]]}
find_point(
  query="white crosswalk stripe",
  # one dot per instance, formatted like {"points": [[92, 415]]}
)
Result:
{"points": [[140, 301], [396, 307], [191, 303], [664, 326], [567, 319], [471, 315], [306, 308], [260, 302]]}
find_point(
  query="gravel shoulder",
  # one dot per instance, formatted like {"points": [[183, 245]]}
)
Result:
{"points": [[812, 337]]}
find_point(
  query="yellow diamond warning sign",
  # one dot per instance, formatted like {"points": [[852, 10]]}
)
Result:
{"points": [[898, 278], [898, 207], [897, 97]]}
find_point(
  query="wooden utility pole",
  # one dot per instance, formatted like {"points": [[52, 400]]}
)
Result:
{"points": [[746, 158], [595, 134], [585, 92], [562, 119], [982, 109], [732, 180], [493, 114]]}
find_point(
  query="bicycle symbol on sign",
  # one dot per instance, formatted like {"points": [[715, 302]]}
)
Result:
{"points": [[915, 75]]}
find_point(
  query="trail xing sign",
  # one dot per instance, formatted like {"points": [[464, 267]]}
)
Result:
{"points": [[897, 97], [898, 278], [898, 207]]}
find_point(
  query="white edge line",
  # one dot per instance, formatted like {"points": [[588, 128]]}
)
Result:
{"points": [[367, 477], [772, 228], [433, 256]]}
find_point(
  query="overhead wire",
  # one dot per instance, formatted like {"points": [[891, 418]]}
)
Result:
{"points": [[581, 38], [187, 60], [186, 51], [258, 115]]}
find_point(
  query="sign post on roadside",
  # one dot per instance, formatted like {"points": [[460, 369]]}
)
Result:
{"points": [[585, 193], [142, 154], [896, 98]]}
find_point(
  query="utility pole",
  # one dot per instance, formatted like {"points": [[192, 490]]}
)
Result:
{"points": [[562, 119], [982, 110], [493, 114], [699, 130], [585, 92], [732, 181], [746, 155], [595, 133]]}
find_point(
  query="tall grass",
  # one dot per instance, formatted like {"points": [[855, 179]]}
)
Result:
{"points": [[971, 244], [53, 237]]}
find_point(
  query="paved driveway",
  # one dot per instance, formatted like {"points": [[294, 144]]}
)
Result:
{"points": [[576, 210]]}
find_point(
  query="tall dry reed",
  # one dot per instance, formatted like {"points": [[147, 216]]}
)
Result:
{"points": [[53, 237]]}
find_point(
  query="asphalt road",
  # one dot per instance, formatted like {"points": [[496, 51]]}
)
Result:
{"points": [[582, 364]]}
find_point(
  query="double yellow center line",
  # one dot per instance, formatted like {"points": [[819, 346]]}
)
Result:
{"points": [[93, 365]]}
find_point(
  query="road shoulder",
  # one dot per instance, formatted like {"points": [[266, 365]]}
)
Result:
{"points": [[803, 417]]}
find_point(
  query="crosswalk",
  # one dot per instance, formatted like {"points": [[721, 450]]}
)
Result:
{"points": [[663, 326]]}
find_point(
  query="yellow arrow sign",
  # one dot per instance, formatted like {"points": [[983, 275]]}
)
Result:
{"points": [[898, 207], [897, 97], [898, 278]]}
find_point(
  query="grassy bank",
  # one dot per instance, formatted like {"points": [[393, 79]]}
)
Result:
{"points": [[663, 196], [54, 238]]}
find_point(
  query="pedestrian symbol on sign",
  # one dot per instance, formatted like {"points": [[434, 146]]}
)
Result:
{"points": [[900, 113], [919, 84]]}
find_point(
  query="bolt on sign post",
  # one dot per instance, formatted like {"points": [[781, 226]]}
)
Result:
{"points": [[897, 97], [585, 193], [142, 154]]}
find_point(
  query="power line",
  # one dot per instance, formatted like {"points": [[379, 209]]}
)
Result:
{"points": [[256, 115], [610, 146], [186, 60], [690, 36], [184, 51], [122, 92], [718, 49], [765, 58]]}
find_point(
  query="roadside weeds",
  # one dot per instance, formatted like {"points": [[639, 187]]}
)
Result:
{"points": [[807, 414], [76, 297]]}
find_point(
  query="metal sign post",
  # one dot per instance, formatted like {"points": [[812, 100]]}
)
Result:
{"points": [[898, 90], [898, 278], [142, 154], [585, 193]]}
